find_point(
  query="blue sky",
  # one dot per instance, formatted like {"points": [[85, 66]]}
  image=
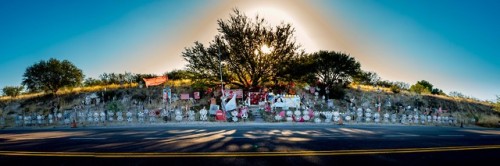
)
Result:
{"points": [[452, 44]]}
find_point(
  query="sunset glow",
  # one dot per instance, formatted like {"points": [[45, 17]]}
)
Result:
{"points": [[451, 44]]}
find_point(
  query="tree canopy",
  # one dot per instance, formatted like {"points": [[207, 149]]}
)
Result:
{"points": [[52, 75], [424, 86], [253, 53], [366, 77], [496, 106], [12, 91], [335, 68]]}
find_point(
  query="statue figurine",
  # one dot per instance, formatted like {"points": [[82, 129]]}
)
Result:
{"points": [[203, 114]]}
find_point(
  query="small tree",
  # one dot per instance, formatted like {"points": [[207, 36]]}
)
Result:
{"points": [[179, 74], [496, 106], [395, 89], [52, 75], [92, 82], [437, 91], [366, 77], [419, 88], [426, 84], [12, 91]]}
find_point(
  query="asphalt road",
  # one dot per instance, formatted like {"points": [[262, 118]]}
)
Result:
{"points": [[251, 144]]}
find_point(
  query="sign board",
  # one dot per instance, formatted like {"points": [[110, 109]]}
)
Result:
{"points": [[196, 95], [185, 96], [220, 116], [169, 93], [287, 101], [256, 97], [165, 94], [229, 93]]}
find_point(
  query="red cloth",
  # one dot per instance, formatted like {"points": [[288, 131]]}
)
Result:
{"points": [[282, 114], [268, 108], [155, 81]]}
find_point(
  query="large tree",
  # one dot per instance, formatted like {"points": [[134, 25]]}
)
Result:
{"points": [[52, 75], [253, 53], [335, 68]]}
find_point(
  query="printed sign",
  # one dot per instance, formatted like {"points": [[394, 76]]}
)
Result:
{"points": [[196, 95], [185, 96], [165, 95], [229, 93]]}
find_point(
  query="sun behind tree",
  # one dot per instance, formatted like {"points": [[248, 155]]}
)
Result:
{"points": [[254, 52]]}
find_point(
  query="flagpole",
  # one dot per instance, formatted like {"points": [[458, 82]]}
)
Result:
{"points": [[222, 84]]}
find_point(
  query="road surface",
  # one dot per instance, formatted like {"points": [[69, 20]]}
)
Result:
{"points": [[251, 144]]}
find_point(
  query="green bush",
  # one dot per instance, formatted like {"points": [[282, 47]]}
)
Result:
{"points": [[395, 89], [115, 106]]}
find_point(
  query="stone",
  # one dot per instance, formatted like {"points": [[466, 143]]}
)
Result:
{"points": [[348, 118], [191, 115]]}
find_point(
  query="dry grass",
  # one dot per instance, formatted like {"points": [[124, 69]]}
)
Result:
{"points": [[65, 91], [178, 83], [488, 120], [458, 107], [369, 88], [22, 96]]}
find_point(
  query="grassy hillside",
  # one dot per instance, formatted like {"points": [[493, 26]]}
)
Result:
{"points": [[127, 96]]}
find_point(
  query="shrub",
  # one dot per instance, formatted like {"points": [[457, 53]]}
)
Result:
{"points": [[395, 89], [488, 121]]}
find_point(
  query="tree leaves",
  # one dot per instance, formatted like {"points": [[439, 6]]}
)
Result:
{"points": [[52, 75], [12, 91], [335, 68], [238, 47]]}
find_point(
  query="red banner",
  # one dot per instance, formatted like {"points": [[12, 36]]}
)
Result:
{"points": [[155, 81]]}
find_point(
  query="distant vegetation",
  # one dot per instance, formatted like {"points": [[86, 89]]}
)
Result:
{"points": [[12, 91]]}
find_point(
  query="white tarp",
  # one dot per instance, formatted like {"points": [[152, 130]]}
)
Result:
{"points": [[231, 105]]}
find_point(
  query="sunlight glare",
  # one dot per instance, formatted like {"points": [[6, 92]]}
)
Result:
{"points": [[266, 49], [275, 15]]}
